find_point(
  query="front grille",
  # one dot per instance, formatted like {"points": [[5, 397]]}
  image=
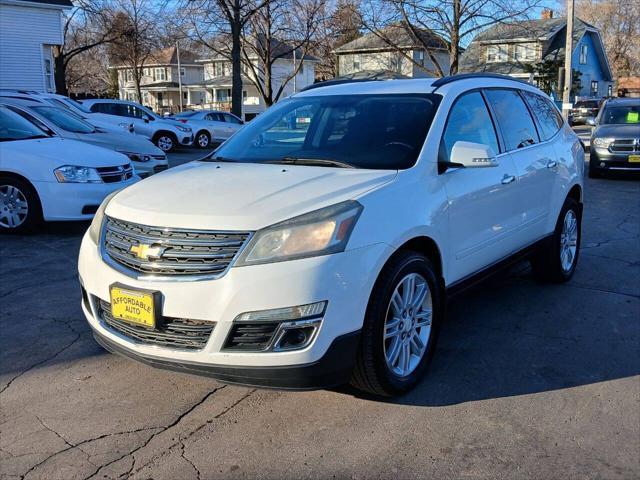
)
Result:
{"points": [[629, 145], [170, 332], [251, 336], [119, 173], [172, 251]]}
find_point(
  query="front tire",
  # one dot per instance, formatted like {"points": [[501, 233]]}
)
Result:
{"points": [[400, 328], [556, 262], [165, 141], [203, 139], [20, 210]]}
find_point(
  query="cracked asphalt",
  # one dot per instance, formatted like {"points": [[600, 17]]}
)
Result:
{"points": [[529, 380]]}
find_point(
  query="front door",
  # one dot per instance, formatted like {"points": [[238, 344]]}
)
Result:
{"points": [[484, 210]]}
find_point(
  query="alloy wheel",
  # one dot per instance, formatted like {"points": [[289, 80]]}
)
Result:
{"points": [[203, 140], [165, 143], [14, 207], [568, 240], [407, 325]]}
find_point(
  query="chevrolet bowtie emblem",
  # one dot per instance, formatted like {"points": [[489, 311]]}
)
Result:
{"points": [[145, 252]]}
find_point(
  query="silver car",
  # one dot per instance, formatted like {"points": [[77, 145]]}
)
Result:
{"points": [[145, 157], [210, 126]]}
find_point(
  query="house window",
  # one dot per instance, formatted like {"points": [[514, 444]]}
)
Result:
{"points": [[218, 69], [145, 72], [418, 57], [594, 88], [609, 90], [223, 95], [497, 53], [159, 74], [185, 95], [48, 74], [525, 52], [583, 54], [182, 71], [356, 62], [129, 74]]}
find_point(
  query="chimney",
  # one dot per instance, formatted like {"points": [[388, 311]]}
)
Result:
{"points": [[547, 14]]}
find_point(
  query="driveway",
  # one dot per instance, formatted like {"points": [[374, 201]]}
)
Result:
{"points": [[529, 380]]}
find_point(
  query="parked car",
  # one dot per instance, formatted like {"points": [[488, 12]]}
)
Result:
{"points": [[107, 123], [46, 177], [615, 140], [210, 126], [309, 254], [583, 111], [146, 158], [165, 133]]}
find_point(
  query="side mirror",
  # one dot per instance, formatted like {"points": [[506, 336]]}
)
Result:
{"points": [[472, 155], [591, 121], [146, 118]]}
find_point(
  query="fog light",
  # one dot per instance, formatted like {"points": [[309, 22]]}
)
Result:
{"points": [[295, 335], [602, 164]]}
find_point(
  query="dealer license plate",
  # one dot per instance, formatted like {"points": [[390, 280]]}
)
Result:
{"points": [[634, 158], [133, 306]]}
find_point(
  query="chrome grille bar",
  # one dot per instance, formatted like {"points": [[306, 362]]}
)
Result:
{"points": [[173, 252]]}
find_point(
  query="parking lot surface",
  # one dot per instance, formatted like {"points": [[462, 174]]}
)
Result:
{"points": [[529, 380]]}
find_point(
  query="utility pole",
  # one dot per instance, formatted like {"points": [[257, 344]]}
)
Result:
{"points": [[295, 89], [568, 51], [179, 73]]}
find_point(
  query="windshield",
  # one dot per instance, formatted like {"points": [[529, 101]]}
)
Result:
{"points": [[584, 104], [15, 127], [65, 120], [361, 131], [621, 115]]}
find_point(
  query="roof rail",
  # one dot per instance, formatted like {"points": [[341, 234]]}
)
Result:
{"points": [[463, 76], [340, 81]]}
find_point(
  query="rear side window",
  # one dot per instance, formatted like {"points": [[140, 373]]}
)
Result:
{"points": [[214, 117], [231, 119], [469, 121], [549, 119], [513, 118], [108, 108]]}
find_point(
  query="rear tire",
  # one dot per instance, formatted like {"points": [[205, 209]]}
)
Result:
{"points": [[20, 210], [407, 330], [556, 262]]}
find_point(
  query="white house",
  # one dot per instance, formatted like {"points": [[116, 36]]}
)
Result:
{"points": [[28, 31]]}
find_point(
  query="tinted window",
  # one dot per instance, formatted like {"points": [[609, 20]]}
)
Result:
{"points": [[231, 119], [365, 131], [15, 127], [215, 117], [549, 119], [513, 118], [108, 108], [586, 104], [468, 121], [627, 114]]}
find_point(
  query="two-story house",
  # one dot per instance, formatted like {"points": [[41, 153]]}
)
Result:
{"points": [[29, 29], [523, 49], [393, 50], [162, 80]]}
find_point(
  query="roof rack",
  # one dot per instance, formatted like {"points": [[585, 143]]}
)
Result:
{"points": [[463, 76], [340, 81]]}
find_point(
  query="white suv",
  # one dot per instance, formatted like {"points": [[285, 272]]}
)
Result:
{"points": [[166, 134], [318, 245]]}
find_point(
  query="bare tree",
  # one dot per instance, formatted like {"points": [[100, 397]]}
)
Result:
{"points": [[85, 27], [136, 26], [456, 22], [280, 30], [219, 26]]}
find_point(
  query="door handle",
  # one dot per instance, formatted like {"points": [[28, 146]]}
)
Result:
{"points": [[552, 164], [508, 179]]}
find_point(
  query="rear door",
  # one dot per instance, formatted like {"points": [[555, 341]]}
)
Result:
{"points": [[484, 209], [534, 160], [216, 126], [233, 124]]}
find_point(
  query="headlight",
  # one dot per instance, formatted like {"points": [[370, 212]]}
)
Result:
{"points": [[322, 232], [183, 129], [96, 223], [136, 157], [603, 142], [74, 174]]}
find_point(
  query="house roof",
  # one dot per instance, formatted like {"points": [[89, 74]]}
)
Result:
{"points": [[551, 32], [169, 56], [59, 3], [391, 37]]}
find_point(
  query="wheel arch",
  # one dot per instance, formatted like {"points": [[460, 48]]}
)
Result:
{"points": [[18, 176], [575, 193], [165, 132]]}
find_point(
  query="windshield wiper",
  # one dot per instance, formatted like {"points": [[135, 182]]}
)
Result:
{"points": [[217, 158], [319, 162]]}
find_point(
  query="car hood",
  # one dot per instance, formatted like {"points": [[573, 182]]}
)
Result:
{"points": [[122, 142], [617, 131], [64, 151], [237, 196]]}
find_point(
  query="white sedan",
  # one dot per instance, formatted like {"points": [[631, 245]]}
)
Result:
{"points": [[210, 126], [44, 177]]}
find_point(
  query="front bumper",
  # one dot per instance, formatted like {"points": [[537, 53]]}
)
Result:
{"points": [[603, 159], [344, 280], [75, 201], [186, 140]]}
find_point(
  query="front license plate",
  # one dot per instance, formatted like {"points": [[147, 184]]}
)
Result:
{"points": [[133, 306], [634, 158]]}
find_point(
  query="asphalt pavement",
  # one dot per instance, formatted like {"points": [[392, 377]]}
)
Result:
{"points": [[529, 381]]}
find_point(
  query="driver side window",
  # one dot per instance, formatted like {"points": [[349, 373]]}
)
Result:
{"points": [[469, 121]]}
